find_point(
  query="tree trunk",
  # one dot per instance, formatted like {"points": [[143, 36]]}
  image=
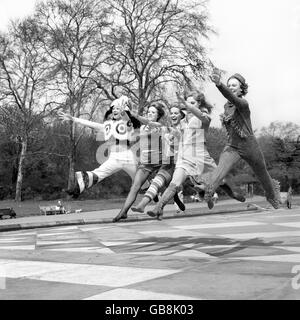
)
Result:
{"points": [[71, 179], [142, 100], [18, 196], [72, 156]]}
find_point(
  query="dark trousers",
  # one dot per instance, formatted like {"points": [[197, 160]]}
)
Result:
{"points": [[248, 150]]}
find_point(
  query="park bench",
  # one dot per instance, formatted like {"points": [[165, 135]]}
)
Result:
{"points": [[52, 210], [7, 212]]}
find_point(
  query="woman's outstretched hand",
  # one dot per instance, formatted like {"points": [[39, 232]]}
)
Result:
{"points": [[64, 116], [216, 76], [124, 103]]}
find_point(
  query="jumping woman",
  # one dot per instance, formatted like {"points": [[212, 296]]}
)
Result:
{"points": [[118, 129], [242, 143], [163, 176], [151, 153]]}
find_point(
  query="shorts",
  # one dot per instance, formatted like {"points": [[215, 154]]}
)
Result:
{"points": [[150, 167]]}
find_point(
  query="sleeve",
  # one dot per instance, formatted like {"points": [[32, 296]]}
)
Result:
{"points": [[206, 115], [90, 124], [240, 103], [206, 118], [135, 122]]}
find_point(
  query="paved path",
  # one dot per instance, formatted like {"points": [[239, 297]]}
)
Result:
{"points": [[234, 256], [106, 216]]}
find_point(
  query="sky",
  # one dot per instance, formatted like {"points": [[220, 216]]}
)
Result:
{"points": [[258, 38]]}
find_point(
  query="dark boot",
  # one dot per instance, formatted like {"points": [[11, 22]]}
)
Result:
{"points": [[156, 199], [235, 195], [208, 196], [204, 190], [168, 194], [180, 204]]}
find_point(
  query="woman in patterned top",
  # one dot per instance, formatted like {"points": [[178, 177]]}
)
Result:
{"points": [[151, 155], [242, 143], [118, 131], [164, 175]]}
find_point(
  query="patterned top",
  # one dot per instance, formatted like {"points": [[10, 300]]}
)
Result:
{"points": [[119, 134], [151, 144], [236, 117], [171, 144]]}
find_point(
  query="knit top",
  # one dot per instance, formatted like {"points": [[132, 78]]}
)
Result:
{"points": [[236, 117]]}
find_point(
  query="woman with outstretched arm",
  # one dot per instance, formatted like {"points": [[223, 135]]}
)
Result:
{"points": [[118, 129], [151, 133], [242, 143], [164, 174]]}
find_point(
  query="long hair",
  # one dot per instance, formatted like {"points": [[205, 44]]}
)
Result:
{"points": [[200, 98], [107, 114], [135, 122], [160, 109]]}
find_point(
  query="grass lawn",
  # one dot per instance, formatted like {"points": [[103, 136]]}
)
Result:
{"points": [[31, 207]]}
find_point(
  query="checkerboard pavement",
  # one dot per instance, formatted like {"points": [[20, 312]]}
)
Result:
{"points": [[213, 257]]}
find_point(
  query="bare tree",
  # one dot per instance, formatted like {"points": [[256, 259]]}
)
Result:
{"points": [[23, 80], [153, 43], [72, 36]]}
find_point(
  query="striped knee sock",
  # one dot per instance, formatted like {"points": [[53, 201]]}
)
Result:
{"points": [[157, 183], [86, 179]]}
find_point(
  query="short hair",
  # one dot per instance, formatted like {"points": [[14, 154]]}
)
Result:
{"points": [[177, 107], [242, 81]]}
